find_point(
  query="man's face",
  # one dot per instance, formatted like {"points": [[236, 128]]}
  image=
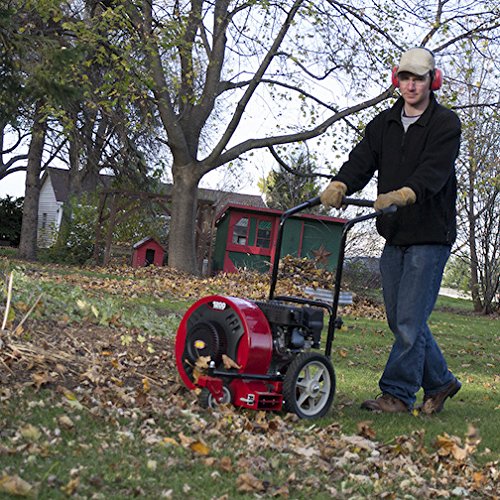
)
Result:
{"points": [[415, 89]]}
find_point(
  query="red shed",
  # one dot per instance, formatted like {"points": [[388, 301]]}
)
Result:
{"points": [[146, 252]]}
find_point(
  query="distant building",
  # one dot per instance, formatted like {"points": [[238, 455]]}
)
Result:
{"points": [[246, 238], [54, 192], [147, 252]]}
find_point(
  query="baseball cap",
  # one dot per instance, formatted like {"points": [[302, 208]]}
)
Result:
{"points": [[417, 61]]}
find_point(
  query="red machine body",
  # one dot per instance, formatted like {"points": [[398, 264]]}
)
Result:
{"points": [[238, 328]]}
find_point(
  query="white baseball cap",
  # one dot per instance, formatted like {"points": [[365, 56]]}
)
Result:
{"points": [[417, 61]]}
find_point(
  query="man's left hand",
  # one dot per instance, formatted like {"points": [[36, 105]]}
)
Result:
{"points": [[400, 197]]}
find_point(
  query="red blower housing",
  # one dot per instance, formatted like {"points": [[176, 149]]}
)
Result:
{"points": [[218, 325], [266, 340]]}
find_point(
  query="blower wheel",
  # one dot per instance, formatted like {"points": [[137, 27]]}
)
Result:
{"points": [[207, 400], [205, 339], [309, 385]]}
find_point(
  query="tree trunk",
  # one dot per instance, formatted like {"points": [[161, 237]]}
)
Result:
{"points": [[103, 197], [181, 246], [111, 227], [28, 243]]}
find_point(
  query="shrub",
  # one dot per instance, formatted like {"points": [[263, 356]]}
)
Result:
{"points": [[11, 218]]}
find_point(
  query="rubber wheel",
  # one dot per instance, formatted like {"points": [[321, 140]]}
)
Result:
{"points": [[207, 400], [309, 385]]}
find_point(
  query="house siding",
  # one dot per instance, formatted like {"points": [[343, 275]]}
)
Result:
{"points": [[49, 215]]}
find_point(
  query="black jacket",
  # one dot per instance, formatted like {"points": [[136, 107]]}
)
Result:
{"points": [[423, 159]]}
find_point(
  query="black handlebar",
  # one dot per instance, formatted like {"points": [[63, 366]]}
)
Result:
{"points": [[357, 202], [345, 201], [340, 262]]}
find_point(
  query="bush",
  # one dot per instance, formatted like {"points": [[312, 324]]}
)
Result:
{"points": [[457, 274], [11, 218]]}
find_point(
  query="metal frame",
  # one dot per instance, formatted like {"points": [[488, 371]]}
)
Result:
{"points": [[333, 308]]}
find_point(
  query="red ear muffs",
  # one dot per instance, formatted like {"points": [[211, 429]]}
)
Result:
{"points": [[436, 84], [437, 81], [394, 76]]}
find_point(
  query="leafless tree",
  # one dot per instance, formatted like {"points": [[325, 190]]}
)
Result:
{"points": [[201, 56], [479, 174]]}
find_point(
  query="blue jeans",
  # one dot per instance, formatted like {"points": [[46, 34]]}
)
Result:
{"points": [[411, 278]]}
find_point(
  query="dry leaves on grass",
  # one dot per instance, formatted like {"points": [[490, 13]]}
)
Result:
{"points": [[161, 282], [90, 369], [97, 374]]}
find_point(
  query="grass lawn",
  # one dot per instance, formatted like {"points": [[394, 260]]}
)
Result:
{"points": [[470, 344], [91, 405]]}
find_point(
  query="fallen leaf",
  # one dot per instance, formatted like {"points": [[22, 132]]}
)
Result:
{"points": [[306, 452], [225, 464], [146, 386], [200, 367], [71, 486], [200, 448], [202, 363], [449, 446], [247, 482], [65, 422], [169, 440], [365, 429], [40, 379], [30, 432], [14, 485], [229, 363]]}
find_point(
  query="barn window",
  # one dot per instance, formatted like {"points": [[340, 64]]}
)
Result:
{"points": [[240, 231], [264, 233]]}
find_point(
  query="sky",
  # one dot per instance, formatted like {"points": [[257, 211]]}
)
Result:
{"points": [[13, 185], [243, 180]]}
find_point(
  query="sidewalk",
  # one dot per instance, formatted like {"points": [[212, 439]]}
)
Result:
{"points": [[456, 294]]}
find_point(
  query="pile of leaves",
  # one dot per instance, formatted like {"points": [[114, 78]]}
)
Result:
{"points": [[164, 282]]}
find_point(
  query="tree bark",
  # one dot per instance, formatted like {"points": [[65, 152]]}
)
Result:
{"points": [[181, 242], [111, 227], [28, 243]]}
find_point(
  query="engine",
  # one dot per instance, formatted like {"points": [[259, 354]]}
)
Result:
{"points": [[293, 328]]}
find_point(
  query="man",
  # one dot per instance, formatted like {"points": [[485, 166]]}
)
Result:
{"points": [[413, 147]]}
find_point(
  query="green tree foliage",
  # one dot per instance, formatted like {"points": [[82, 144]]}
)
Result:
{"points": [[457, 274], [286, 187], [11, 216], [10, 79]]}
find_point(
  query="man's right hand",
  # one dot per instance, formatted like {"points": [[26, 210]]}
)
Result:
{"points": [[333, 195]]}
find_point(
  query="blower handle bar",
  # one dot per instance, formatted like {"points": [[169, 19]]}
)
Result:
{"points": [[340, 263], [313, 202]]}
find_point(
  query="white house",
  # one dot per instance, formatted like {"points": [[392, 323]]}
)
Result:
{"points": [[49, 213]]}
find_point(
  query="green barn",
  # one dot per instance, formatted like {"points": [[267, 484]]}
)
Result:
{"points": [[246, 238]]}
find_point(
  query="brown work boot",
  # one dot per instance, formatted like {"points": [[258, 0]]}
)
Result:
{"points": [[434, 403], [385, 404]]}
